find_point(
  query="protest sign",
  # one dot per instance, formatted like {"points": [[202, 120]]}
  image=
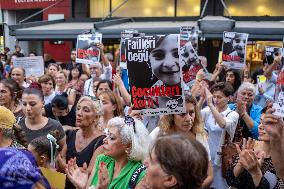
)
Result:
{"points": [[124, 35], [33, 66], [190, 33], [234, 49], [271, 53], [278, 104], [155, 75], [189, 60], [87, 51]]}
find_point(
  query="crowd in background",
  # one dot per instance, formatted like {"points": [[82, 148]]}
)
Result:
{"points": [[77, 119]]}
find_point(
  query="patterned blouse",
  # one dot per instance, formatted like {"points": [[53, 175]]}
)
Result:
{"points": [[269, 179]]}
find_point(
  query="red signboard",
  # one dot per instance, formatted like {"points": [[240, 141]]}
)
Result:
{"points": [[29, 4]]}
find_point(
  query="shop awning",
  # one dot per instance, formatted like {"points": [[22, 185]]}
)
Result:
{"points": [[69, 29]]}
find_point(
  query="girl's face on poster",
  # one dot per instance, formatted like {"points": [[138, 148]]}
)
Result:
{"points": [[165, 61]]}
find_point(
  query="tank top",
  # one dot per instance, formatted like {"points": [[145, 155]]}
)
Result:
{"points": [[83, 156]]}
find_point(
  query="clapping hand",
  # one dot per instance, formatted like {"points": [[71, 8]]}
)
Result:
{"points": [[117, 80], [241, 106], [208, 96], [248, 159], [273, 124], [79, 177], [103, 177]]}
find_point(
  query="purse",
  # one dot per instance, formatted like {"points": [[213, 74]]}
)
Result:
{"points": [[229, 149]]}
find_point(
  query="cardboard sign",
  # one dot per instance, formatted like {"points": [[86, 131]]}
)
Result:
{"points": [[33, 66], [155, 74]]}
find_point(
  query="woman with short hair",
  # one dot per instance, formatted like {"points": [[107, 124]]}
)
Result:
{"points": [[47, 86], [218, 120], [176, 161], [125, 147], [249, 113], [84, 143]]}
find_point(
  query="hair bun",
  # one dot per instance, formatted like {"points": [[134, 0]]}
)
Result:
{"points": [[35, 85]]}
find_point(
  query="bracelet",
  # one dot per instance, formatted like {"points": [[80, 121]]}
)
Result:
{"points": [[242, 115]]}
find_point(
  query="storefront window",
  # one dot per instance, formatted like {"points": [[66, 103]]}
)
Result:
{"points": [[145, 8], [255, 7], [256, 52], [188, 7], [99, 8]]}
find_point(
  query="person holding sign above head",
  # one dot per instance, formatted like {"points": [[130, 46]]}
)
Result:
{"points": [[98, 71]]}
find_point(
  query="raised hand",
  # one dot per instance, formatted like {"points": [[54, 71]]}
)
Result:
{"points": [[103, 177], [117, 80], [79, 177], [273, 124], [209, 96]]}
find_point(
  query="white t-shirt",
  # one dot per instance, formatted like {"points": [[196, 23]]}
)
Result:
{"points": [[88, 86], [48, 99]]}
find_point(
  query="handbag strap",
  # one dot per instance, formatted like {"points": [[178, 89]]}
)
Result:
{"points": [[135, 176]]}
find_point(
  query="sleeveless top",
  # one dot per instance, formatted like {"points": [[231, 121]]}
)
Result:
{"points": [[87, 153], [83, 156], [125, 175]]}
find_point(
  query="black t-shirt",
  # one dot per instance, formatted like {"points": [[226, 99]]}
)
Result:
{"points": [[51, 125], [69, 119]]}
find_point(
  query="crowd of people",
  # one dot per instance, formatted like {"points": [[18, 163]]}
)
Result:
{"points": [[77, 119]]}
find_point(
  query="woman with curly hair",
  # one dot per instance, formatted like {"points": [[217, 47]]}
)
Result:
{"points": [[188, 123]]}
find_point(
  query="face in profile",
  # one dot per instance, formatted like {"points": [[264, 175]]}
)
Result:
{"points": [[239, 44], [165, 61]]}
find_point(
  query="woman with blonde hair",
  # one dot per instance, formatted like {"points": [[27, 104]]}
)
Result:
{"points": [[189, 124], [112, 106], [61, 81], [84, 144]]}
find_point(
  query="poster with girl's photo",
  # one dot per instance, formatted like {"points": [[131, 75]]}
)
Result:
{"points": [[190, 33], [190, 62], [155, 74], [271, 53], [234, 49], [278, 104], [87, 51]]}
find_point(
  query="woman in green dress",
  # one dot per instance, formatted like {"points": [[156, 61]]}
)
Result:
{"points": [[125, 147]]}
